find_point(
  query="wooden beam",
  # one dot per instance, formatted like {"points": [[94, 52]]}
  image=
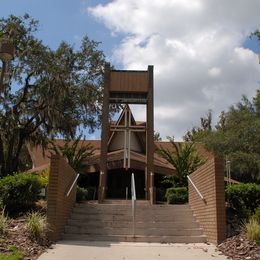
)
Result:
{"points": [[150, 137], [104, 136]]}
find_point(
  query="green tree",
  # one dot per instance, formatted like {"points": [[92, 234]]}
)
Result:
{"points": [[157, 136], [237, 137], [50, 92], [76, 151], [185, 160], [197, 133], [256, 34]]}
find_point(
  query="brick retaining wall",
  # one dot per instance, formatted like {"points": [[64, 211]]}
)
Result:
{"points": [[209, 179], [58, 205]]}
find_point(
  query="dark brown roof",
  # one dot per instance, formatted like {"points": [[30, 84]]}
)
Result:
{"points": [[40, 158], [202, 151], [115, 158]]}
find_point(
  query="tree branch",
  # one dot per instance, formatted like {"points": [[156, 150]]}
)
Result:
{"points": [[25, 90]]}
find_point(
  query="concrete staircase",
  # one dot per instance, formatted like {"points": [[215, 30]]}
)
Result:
{"points": [[112, 221]]}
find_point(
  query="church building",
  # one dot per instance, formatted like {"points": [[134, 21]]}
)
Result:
{"points": [[126, 146]]}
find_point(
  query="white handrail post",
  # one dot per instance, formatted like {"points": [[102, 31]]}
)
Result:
{"points": [[196, 189], [126, 193], [103, 192], [94, 195], [133, 193], [72, 185]]}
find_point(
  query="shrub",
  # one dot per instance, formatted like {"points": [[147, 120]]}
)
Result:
{"points": [[160, 194], [19, 191], [91, 191], [256, 216], [253, 230], [177, 195], [36, 224], [44, 176], [81, 194], [244, 198], [3, 222]]}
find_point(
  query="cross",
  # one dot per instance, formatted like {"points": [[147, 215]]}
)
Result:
{"points": [[127, 128]]}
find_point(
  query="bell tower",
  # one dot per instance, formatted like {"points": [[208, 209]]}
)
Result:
{"points": [[128, 87]]}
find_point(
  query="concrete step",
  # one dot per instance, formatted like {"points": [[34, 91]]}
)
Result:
{"points": [[125, 202], [112, 221], [128, 230], [130, 238], [109, 209], [139, 224], [128, 217], [129, 205], [113, 210], [143, 214]]}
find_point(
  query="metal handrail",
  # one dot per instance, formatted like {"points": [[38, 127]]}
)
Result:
{"points": [[94, 194], [133, 193], [151, 195], [126, 193], [196, 189], [72, 185], [102, 193]]}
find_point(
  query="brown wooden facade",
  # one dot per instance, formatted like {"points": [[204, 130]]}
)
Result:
{"points": [[128, 87]]}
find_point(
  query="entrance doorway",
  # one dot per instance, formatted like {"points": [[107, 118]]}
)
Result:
{"points": [[90, 182], [119, 182]]}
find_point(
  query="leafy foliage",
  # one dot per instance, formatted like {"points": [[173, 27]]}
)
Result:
{"points": [[177, 195], [157, 136], [184, 158], [49, 92], [256, 216], [19, 191], [76, 152], [236, 137], [44, 177], [256, 34], [3, 222], [197, 133], [244, 198], [81, 194], [91, 193], [86, 193]]}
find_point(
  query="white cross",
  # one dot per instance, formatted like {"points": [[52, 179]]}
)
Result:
{"points": [[127, 128]]}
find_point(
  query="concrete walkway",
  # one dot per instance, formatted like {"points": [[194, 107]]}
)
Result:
{"points": [[82, 250]]}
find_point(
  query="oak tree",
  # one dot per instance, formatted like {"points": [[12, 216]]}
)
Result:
{"points": [[49, 92]]}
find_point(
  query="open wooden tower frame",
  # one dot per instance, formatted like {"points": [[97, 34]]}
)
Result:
{"points": [[128, 87]]}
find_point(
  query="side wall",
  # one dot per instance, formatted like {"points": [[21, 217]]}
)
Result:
{"points": [[209, 179], [58, 205]]}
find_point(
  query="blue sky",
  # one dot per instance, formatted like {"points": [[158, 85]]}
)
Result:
{"points": [[62, 20], [202, 56]]}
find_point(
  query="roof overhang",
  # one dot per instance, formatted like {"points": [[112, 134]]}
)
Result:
{"points": [[138, 161]]}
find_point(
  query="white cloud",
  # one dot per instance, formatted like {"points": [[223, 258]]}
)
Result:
{"points": [[196, 48], [214, 72]]}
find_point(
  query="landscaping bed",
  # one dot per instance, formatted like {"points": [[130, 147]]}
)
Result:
{"points": [[18, 237], [240, 248]]}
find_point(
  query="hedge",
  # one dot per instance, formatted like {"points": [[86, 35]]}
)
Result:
{"points": [[244, 198], [19, 192], [177, 195], [85, 193]]}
